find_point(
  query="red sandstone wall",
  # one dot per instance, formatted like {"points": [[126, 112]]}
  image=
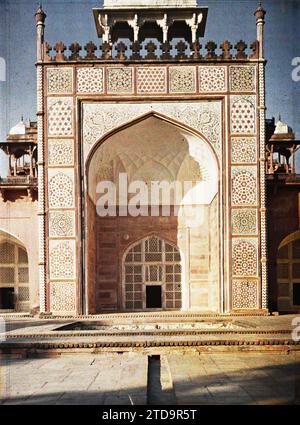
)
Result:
{"points": [[18, 217], [113, 237], [283, 219], [91, 257]]}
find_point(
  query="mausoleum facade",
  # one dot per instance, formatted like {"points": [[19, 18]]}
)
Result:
{"points": [[155, 104], [183, 117]]}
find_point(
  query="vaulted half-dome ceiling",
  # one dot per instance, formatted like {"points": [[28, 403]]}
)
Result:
{"points": [[153, 150]]}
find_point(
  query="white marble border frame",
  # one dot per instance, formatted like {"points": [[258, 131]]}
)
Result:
{"points": [[263, 200], [41, 186], [86, 152]]}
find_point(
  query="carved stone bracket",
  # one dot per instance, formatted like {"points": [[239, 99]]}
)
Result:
{"points": [[194, 23], [133, 23], [107, 18], [104, 27], [163, 24]]}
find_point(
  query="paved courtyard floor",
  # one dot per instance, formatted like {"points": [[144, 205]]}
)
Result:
{"points": [[138, 378]]}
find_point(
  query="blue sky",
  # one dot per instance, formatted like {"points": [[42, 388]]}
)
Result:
{"points": [[72, 20]]}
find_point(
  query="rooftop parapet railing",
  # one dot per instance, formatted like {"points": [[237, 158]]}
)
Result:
{"points": [[286, 178], [18, 181], [151, 51]]}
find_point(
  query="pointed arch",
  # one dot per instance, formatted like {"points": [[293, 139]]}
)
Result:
{"points": [[198, 148], [14, 273], [9, 236], [100, 291], [136, 120], [152, 262], [290, 238], [288, 273]]}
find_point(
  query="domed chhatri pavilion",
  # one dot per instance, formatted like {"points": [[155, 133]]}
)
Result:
{"points": [[154, 102]]}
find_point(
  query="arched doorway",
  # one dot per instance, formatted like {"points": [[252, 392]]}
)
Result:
{"points": [[152, 273], [14, 275], [153, 150], [288, 273]]}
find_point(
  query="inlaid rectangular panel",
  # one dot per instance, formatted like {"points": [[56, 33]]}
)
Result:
{"points": [[244, 221], [60, 116], [60, 152], [243, 150], [244, 257], [120, 80], [62, 259], [151, 80], [212, 79], [245, 294], [242, 78], [61, 188], [62, 297], [244, 187], [182, 79], [243, 114], [90, 80], [61, 224], [60, 80]]}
